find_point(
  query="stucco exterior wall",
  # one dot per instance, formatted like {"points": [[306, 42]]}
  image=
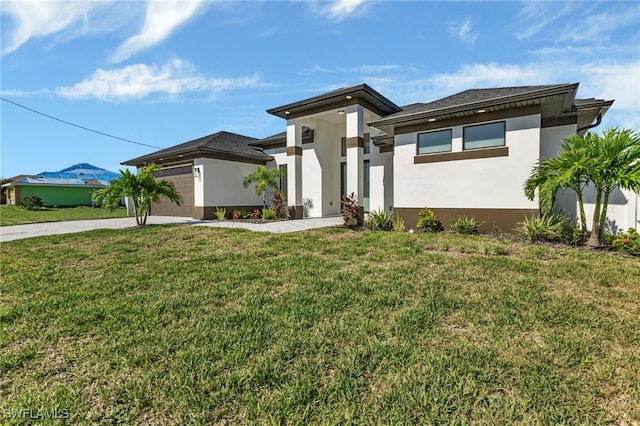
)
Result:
{"points": [[490, 183], [550, 142], [220, 184]]}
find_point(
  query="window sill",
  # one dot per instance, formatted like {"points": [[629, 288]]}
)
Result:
{"points": [[499, 151]]}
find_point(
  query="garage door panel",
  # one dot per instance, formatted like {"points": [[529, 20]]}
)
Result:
{"points": [[182, 178]]}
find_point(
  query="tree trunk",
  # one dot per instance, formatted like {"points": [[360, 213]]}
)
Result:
{"points": [[603, 215], [583, 216], [594, 240]]}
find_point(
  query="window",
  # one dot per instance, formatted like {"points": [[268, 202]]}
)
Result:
{"points": [[367, 183], [439, 141], [343, 180], [484, 135], [283, 179], [367, 144], [343, 147]]}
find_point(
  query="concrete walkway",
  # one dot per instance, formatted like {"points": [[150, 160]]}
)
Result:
{"points": [[18, 232]]}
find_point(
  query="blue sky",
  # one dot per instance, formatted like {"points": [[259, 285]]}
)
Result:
{"points": [[165, 72]]}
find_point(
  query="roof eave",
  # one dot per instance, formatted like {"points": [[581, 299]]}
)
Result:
{"points": [[570, 89]]}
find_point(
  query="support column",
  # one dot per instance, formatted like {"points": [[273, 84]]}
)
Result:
{"points": [[355, 153], [294, 169]]}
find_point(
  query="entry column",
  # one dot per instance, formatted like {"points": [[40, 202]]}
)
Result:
{"points": [[294, 169], [355, 153]]}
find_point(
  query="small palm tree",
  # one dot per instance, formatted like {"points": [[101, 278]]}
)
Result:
{"points": [[617, 166], [606, 162], [264, 179], [142, 188], [567, 170]]}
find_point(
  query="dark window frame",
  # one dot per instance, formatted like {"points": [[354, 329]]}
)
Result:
{"points": [[504, 135], [450, 130]]}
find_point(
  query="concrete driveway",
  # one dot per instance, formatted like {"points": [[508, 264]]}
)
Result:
{"points": [[18, 232]]}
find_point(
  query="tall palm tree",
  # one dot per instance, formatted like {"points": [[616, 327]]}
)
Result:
{"points": [[264, 179], [618, 166], [142, 188]]}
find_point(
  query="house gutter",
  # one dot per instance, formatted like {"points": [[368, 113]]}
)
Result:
{"points": [[591, 126]]}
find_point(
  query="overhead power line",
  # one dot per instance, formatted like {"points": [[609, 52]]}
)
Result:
{"points": [[77, 125]]}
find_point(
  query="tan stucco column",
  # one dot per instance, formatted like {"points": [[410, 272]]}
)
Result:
{"points": [[355, 153], [294, 169]]}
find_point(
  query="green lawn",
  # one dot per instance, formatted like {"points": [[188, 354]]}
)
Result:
{"points": [[15, 215], [178, 324]]}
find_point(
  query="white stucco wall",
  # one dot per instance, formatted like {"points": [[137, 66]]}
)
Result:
{"points": [[550, 142], [471, 183], [220, 184]]}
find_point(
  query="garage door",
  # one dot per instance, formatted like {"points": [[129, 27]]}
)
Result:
{"points": [[182, 178]]}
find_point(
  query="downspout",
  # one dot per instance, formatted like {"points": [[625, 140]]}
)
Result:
{"points": [[591, 126]]}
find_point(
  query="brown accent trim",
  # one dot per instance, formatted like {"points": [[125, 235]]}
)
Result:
{"points": [[306, 141], [501, 220], [209, 212], [386, 148], [468, 120], [500, 151], [294, 150], [559, 121], [355, 142], [296, 212]]}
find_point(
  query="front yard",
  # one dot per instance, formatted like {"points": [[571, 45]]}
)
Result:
{"points": [[16, 215], [178, 324]]}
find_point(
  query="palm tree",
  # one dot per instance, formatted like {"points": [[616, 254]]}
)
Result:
{"points": [[606, 162], [567, 170], [618, 166], [142, 188], [264, 179]]}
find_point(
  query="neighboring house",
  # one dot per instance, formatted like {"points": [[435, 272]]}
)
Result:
{"points": [[468, 153], [72, 186]]}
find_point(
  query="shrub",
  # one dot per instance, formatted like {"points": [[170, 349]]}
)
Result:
{"points": [[244, 214], [627, 242], [397, 223], [466, 225], [428, 222], [32, 202], [378, 220], [570, 234], [269, 214], [278, 204], [541, 228], [236, 214], [350, 213], [255, 214], [220, 213]]}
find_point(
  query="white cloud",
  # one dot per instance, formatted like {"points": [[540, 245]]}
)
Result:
{"points": [[141, 81], [341, 9], [41, 18], [537, 15], [598, 26], [162, 18], [463, 30]]}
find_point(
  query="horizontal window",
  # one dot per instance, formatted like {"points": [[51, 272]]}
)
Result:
{"points": [[439, 141], [484, 135]]}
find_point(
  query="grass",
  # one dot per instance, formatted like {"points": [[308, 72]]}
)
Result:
{"points": [[16, 215], [178, 324]]}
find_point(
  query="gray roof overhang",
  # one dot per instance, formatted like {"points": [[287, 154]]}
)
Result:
{"points": [[361, 95]]}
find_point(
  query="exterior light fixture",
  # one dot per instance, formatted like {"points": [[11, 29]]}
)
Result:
{"points": [[349, 97], [431, 119], [481, 111], [196, 172], [287, 113], [341, 112]]}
